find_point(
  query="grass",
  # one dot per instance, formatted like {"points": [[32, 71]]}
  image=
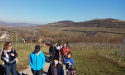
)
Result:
{"points": [[87, 62]]}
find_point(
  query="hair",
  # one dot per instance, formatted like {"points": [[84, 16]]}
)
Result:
{"points": [[58, 65], [64, 44], [6, 45], [70, 54], [67, 45]]}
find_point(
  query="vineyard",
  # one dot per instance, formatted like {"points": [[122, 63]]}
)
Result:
{"points": [[90, 58]]}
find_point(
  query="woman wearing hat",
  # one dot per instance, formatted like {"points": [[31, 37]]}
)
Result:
{"points": [[37, 61]]}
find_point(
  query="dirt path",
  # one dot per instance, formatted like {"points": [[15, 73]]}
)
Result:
{"points": [[45, 68]]}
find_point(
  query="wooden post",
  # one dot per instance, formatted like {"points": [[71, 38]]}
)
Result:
{"points": [[40, 42], [16, 39], [106, 48], [2, 45], [31, 42], [122, 49]]}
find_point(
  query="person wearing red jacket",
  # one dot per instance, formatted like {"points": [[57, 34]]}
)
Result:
{"points": [[64, 51]]}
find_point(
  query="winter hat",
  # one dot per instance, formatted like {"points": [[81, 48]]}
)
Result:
{"points": [[37, 48]]}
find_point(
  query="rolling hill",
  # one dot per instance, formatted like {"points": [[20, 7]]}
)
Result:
{"points": [[98, 27], [16, 24]]}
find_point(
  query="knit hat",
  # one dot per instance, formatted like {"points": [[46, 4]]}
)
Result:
{"points": [[37, 48]]}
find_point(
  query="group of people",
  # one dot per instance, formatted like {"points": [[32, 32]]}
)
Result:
{"points": [[37, 59], [60, 54]]}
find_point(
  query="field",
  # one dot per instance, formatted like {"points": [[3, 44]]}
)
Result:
{"points": [[89, 62], [89, 31], [86, 58]]}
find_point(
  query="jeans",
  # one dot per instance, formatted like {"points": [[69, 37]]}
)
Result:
{"points": [[40, 72], [10, 68]]}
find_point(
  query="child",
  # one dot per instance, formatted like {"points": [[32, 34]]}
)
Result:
{"points": [[69, 61]]}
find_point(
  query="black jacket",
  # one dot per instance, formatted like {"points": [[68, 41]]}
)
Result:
{"points": [[60, 70], [8, 59], [52, 49]]}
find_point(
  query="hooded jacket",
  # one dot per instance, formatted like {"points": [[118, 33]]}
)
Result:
{"points": [[37, 62]]}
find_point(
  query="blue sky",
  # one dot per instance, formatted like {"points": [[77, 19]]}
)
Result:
{"points": [[48, 11]]}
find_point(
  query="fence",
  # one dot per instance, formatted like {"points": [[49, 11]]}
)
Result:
{"points": [[109, 50]]}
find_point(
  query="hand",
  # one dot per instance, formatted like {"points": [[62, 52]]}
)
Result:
{"points": [[12, 54], [59, 61], [69, 63], [5, 53]]}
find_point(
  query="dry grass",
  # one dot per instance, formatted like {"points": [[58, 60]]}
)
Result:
{"points": [[58, 30], [88, 62]]}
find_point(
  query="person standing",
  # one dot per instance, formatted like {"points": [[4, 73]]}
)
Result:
{"points": [[64, 51], [37, 61], [58, 48], [8, 56], [52, 52], [55, 68]]}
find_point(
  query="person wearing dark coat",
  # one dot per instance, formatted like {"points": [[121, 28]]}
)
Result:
{"points": [[52, 52], [55, 68], [9, 56]]}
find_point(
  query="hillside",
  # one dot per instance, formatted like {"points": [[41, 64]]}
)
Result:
{"points": [[16, 24], [11, 30], [108, 23], [98, 27]]}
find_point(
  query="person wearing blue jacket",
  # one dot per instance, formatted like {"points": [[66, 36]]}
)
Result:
{"points": [[37, 61], [69, 61]]}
